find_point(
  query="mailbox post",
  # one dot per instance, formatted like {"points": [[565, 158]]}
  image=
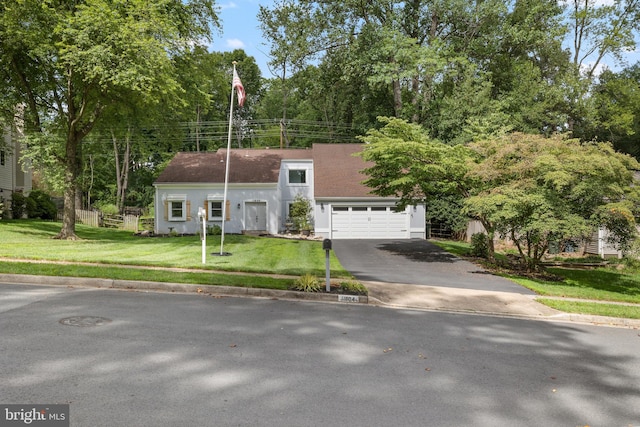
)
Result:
{"points": [[326, 245], [202, 216]]}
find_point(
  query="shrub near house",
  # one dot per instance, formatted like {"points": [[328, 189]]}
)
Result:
{"points": [[39, 205]]}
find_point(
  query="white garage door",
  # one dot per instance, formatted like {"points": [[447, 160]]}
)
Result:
{"points": [[368, 222]]}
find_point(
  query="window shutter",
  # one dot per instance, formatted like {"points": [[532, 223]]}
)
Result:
{"points": [[166, 210], [206, 210], [227, 210], [188, 210]]}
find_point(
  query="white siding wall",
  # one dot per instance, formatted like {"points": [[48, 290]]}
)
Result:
{"points": [[197, 196], [599, 245], [289, 191], [418, 222], [6, 170], [12, 176]]}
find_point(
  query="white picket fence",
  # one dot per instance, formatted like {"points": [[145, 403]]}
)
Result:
{"points": [[98, 219], [91, 218]]}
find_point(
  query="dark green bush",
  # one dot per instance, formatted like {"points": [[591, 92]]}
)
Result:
{"points": [[40, 205], [18, 205], [214, 230], [479, 245]]}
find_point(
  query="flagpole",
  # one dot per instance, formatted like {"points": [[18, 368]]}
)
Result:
{"points": [[226, 172]]}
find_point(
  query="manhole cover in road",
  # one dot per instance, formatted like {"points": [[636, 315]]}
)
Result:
{"points": [[85, 321]]}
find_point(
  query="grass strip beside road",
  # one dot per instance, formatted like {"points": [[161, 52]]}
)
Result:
{"points": [[592, 308], [597, 287], [601, 284], [145, 274]]}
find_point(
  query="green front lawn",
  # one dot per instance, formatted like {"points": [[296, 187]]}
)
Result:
{"points": [[602, 284], [29, 240], [33, 240]]}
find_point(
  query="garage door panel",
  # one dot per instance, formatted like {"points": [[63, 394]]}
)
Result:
{"points": [[341, 224], [368, 222]]}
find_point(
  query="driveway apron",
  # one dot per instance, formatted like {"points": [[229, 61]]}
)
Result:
{"points": [[417, 262]]}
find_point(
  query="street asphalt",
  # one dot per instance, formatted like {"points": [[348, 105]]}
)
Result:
{"points": [[149, 359]]}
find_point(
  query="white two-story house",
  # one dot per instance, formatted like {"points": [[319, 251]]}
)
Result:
{"points": [[13, 176], [263, 184]]}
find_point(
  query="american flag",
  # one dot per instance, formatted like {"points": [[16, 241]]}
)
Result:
{"points": [[237, 85]]}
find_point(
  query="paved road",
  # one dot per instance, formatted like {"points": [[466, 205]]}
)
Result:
{"points": [[416, 262], [194, 360]]}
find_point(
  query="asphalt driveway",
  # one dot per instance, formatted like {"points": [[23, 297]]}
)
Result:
{"points": [[416, 262]]}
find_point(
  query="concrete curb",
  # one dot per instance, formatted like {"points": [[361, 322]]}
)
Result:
{"points": [[614, 322], [372, 299], [230, 291], [497, 304]]}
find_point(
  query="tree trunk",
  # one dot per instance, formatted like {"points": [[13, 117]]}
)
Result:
{"points": [[122, 169], [78, 194], [491, 249], [125, 173], [71, 175], [415, 92], [90, 182], [397, 98]]}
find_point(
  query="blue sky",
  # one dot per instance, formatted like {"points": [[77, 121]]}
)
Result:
{"points": [[240, 31]]}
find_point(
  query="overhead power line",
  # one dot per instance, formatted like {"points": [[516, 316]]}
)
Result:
{"points": [[248, 130]]}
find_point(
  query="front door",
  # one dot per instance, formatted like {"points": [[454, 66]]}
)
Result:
{"points": [[255, 216]]}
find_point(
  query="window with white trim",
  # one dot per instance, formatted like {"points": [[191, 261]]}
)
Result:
{"points": [[177, 207], [215, 210], [297, 176]]}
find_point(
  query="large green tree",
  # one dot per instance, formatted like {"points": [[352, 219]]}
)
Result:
{"points": [[528, 188], [596, 30], [616, 100], [421, 60], [67, 61], [537, 190]]}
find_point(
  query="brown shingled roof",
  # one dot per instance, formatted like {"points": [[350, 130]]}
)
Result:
{"points": [[336, 168], [246, 166], [337, 171]]}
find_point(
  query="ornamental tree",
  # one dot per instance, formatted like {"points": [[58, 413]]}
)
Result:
{"points": [[549, 189], [528, 188], [417, 169]]}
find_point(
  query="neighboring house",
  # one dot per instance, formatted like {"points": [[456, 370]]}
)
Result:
{"points": [[600, 245], [12, 175], [263, 184]]}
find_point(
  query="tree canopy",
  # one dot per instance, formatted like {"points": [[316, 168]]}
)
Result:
{"points": [[530, 189], [69, 61]]}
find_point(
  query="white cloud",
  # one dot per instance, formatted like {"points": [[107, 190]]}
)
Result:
{"points": [[598, 70], [235, 44], [230, 5]]}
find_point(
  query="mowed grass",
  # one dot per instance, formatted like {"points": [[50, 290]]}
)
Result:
{"points": [[34, 240], [601, 284], [593, 308], [616, 283], [146, 274]]}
